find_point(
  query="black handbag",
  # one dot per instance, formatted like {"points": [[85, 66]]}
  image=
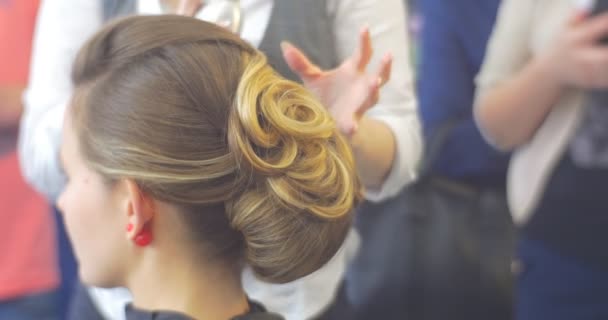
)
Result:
{"points": [[440, 250]]}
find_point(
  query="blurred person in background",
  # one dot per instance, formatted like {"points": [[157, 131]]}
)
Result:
{"points": [[542, 94], [470, 277], [28, 266], [385, 138]]}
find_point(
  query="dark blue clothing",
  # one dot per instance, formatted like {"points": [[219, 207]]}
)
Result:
{"points": [[453, 43], [84, 308], [552, 286], [572, 216], [67, 266], [40, 306], [82, 305], [256, 312]]}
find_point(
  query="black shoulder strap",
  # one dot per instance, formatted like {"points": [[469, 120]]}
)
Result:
{"points": [[434, 144]]}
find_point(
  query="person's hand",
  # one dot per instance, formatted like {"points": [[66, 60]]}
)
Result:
{"points": [[578, 59], [348, 91]]}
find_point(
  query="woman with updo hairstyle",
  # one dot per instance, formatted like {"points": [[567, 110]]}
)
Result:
{"points": [[188, 159]]}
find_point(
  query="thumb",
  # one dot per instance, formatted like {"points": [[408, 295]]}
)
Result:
{"points": [[298, 62]]}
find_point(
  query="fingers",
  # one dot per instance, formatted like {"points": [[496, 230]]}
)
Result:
{"points": [[348, 127], [354, 106], [384, 72], [298, 62], [595, 68], [364, 51], [593, 28], [374, 85], [372, 97], [597, 56]]}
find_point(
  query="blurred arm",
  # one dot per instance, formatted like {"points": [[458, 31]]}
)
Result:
{"points": [[62, 27], [516, 90]]}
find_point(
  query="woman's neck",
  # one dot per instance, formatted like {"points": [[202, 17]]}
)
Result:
{"points": [[174, 283]]}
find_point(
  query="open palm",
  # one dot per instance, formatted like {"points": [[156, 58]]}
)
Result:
{"points": [[348, 91]]}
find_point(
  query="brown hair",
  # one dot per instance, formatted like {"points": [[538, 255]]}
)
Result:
{"points": [[198, 119]]}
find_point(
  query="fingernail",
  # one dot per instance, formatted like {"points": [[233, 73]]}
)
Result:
{"points": [[129, 227]]}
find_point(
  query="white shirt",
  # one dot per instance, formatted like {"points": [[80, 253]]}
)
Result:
{"points": [[64, 25], [524, 30]]}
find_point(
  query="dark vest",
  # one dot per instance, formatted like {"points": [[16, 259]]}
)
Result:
{"points": [[304, 23]]}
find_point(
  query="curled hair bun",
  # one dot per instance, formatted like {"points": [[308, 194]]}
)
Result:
{"points": [[295, 215]]}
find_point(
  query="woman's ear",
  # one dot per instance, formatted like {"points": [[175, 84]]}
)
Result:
{"points": [[140, 209]]}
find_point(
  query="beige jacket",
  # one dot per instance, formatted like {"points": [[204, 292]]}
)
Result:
{"points": [[524, 29]]}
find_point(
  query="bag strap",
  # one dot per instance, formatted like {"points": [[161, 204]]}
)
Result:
{"points": [[434, 145]]}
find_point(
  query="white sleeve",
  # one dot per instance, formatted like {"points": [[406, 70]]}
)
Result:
{"points": [[62, 28], [397, 106], [111, 302]]}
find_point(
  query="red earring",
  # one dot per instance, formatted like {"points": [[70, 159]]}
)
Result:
{"points": [[143, 238]]}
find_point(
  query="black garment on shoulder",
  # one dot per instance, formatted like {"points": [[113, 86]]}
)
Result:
{"points": [[256, 312]]}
